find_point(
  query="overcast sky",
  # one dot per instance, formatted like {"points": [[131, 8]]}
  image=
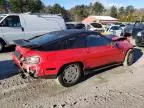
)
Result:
{"points": [[70, 3]]}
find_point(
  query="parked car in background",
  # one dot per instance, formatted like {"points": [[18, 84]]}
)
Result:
{"points": [[140, 38], [25, 26], [115, 30], [122, 26], [95, 27], [136, 31], [75, 25], [66, 55]]}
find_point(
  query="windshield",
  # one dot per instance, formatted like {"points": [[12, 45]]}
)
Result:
{"points": [[96, 25], [115, 28]]}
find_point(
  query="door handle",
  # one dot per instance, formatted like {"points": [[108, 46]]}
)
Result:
{"points": [[22, 28]]}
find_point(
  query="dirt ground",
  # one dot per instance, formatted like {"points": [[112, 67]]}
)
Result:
{"points": [[117, 87]]}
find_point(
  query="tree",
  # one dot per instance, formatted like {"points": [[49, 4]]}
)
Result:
{"points": [[79, 12], [130, 9], [34, 5], [121, 13], [3, 6], [121, 10], [113, 12], [57, 9], [98, 8], [26, 5]]}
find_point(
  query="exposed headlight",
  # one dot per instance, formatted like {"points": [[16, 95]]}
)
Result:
{"points": [[139, 34], [32, 60]]}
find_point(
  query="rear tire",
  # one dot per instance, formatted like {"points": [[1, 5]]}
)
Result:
{"points": [[129, 58], [70, 75]]}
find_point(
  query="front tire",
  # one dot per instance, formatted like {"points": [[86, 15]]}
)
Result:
{"points": [[70, 75], [129, 58]]}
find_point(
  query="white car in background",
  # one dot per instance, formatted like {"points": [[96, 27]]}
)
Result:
{"points": [[95, 27], [115, 30]]}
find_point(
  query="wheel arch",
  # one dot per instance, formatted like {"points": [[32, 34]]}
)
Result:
{"points": [[63, 66], [128, 50]]}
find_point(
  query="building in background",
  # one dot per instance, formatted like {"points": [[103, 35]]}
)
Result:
{"points": [[100, 19]]}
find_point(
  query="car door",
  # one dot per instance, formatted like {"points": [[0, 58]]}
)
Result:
{"points": [[11, 28], [73, 48], [100, 51]]}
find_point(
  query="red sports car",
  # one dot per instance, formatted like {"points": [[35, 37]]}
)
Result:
{"points": [[66, 55]]}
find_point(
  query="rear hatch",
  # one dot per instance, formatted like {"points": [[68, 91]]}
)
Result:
{"points": [[26, 43], [23, 47]]}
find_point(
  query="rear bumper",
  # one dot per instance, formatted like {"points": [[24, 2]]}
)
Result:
{"points": [[34, 70], [26, 68]]}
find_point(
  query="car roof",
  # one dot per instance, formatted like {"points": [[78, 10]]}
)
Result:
{"points": [[65, 33], [57, 35], [74, 23], [115, 26]]}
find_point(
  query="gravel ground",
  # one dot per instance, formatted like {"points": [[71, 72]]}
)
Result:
{"points": [[118, 87]]}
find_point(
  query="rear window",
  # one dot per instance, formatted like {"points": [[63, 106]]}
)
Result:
{"points": [[44, 39], [96, 25]]}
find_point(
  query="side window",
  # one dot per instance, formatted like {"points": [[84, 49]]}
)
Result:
{"points": [[51, 47], [74, 42], [97, 40], [11, 21]]}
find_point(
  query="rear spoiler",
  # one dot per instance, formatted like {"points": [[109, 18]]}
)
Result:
{"points": [[25, 43]]}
